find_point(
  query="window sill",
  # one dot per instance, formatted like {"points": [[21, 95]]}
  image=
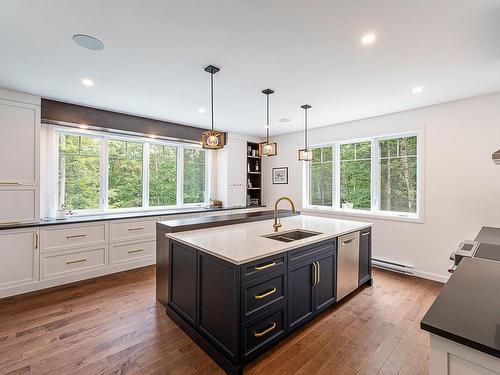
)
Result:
{"points": [[363, 214]]}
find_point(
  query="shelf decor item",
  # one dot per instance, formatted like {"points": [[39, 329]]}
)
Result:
{"points": [[305, 154], [212, 139], [268, 148], [280, 175]]}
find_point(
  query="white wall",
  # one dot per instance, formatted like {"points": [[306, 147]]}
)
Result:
{"points": [[461, 183]]}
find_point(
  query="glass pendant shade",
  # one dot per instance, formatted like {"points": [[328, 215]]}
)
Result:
{"points": [[268, 149], [212, 139], [305, 155]]}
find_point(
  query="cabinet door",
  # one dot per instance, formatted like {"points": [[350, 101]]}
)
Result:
{"points": [[300, 293], [365, 256], [236, 162], [236, 196], [19, 257], [19, 204], [324, 291], [19, 144], [182, 283]]}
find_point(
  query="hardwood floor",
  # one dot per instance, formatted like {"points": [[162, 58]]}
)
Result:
{"points": [[113, 325]]}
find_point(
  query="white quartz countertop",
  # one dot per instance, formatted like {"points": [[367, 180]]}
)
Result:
{"points": [[242, 243]]}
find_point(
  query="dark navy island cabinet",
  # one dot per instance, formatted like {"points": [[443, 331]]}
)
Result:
{"points": [[236, 312]]}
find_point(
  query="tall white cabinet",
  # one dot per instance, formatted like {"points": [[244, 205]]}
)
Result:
{"points": [[231, 172], [19, 157]]}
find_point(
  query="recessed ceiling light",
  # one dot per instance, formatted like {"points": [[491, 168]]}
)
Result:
{"points": [[88, 42], [87, 82], [417, 89], [284, 120], [82, 126], [152, 136], [202, 110], [368, 39]]}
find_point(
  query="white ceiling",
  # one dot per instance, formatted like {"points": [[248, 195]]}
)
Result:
{"points": [[309, 51]]}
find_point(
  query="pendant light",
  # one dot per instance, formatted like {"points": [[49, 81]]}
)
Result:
{"points": [[268, 148], [305, 154], [212, 139]]}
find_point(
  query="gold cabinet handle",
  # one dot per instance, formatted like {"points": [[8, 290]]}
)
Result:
{"points": [[137, 228], [9, 182], [315, 274], [260, 268], [76, 236], [135, 251], [266, 294], [76, 261], [319, 272], [36, 240], [266, 331], [10, 222]]}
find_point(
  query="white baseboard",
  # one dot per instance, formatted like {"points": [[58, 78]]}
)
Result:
{"points": [[431, 276]]}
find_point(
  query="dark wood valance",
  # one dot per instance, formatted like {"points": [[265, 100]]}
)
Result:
{"points": [[60, 113]]}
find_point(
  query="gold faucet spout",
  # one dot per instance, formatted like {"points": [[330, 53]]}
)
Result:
{"points": [[277, 223]]}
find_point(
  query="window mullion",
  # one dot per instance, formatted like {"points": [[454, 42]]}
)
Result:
{"points": [[336, 174], [180, 176], [375, 175], [104, 171]]}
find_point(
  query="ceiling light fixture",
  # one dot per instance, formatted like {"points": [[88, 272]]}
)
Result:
{"points": [[88, 42], [212, 139], [284, 120], [305, 154], [82, 126], [202, 110], [87, 82], [268, 148], [417, 90], [368, 39]]}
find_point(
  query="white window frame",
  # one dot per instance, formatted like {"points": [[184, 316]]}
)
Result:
{"points": [[104, 172], [374, 211]]}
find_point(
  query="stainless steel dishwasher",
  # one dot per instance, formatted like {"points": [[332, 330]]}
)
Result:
{"points": [[347, 264]]}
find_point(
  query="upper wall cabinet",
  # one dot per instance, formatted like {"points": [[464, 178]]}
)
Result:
{"points": [[19, 156]]}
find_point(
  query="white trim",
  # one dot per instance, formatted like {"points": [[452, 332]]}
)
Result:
{"points": [[431, 276], [382, 215]]}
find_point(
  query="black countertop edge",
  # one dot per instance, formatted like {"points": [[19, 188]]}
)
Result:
{"points": [[460, 340], [118, 216], [181, 225]]}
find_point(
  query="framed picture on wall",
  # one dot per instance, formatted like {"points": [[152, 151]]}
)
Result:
{"points": [[280, 175]]}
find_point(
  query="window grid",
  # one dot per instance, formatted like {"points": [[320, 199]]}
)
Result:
{"points": [[104, 171]]}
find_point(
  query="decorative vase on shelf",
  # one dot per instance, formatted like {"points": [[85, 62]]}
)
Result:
{"points": [[256, 166]]}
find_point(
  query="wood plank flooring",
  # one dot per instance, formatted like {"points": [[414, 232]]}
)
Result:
{"points": [[113, 325]]}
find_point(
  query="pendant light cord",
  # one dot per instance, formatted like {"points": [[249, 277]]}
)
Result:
{"points": [[305, 135], [267, 97], [212, 98]]}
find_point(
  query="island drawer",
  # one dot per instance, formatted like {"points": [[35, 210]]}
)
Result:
{"points": [[261, 267], [307, 252], [262, 332], [263, 293]]}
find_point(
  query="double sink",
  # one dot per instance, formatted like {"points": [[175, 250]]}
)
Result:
{"points": [[291, 235]]}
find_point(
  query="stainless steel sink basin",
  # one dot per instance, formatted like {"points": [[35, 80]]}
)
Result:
{"points": [[291, 235]]}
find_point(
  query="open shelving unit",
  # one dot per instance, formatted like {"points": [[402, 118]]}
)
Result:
{"points": [[254, 175]]}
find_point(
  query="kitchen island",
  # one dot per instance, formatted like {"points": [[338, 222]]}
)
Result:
{"points": [[236, 290]]}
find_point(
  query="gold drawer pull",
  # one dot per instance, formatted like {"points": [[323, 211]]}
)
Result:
{"points": [[76, 236], [260, 268], [7, 182], [138, 228], [264, 295], [135, 251], [10, 222], [76, 261], [266, 331]]}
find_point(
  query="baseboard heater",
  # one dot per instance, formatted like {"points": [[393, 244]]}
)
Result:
{"points": [[391, 266]]}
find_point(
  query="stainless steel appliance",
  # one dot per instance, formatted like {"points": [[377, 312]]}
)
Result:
{"points": [[474, 249], [347, 264]]}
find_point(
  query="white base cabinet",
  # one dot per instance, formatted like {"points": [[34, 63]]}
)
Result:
{"points": [[19, 255], [450, 358]]}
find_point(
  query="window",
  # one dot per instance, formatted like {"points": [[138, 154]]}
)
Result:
{"points": [[398, 174], [379, 175], [78, 177], [194, 175], [355, 175], [162, 175], [125, 174], [321, 177], [100, 172]]}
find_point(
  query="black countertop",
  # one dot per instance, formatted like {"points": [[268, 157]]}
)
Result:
{"points": [[467, 310], [116, 216]]}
